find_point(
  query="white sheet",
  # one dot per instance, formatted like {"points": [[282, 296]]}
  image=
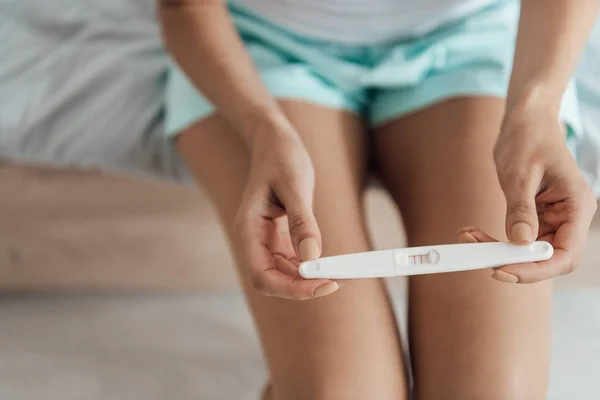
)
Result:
{"points": [[81, 83], [588, 88], [200, 347]]}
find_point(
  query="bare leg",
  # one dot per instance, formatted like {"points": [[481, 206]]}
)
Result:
{"points": [[471, 337], [343, 346]]}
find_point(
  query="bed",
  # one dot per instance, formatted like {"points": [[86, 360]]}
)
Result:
{"points": [[82, 89]]}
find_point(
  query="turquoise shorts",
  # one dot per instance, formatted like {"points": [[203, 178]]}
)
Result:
{"points": [[468, 57]]}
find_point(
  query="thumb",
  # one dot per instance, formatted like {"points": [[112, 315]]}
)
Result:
{"points": [[303, 227], [521, 213], [304, 232]]}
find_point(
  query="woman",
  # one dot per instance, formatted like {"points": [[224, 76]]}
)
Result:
{"points": [[292, 95]]}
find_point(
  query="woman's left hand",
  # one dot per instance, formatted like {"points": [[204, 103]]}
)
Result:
{"points": [[547, 196]]}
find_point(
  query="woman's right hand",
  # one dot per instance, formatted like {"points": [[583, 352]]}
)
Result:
{"points": [[275, 226]]}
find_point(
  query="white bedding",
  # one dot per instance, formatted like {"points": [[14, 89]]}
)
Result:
{"points": [[200, 347], [83, 85], [588, 89]]}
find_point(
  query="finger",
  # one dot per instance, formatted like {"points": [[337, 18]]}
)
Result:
{"points": [[265, 275], [473, 235], [483, 237], [466, 229], [252, 230], [467, 237], [303, 227], [567, 243], [251, 227], [529, 272], [276, 283], [291, 267], [539, 271], [341, 282], [286, 264], [545, 227], [521, 212], [274, 275]]}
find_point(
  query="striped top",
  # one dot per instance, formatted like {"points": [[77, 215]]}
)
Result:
{"points": [[362, 22]]}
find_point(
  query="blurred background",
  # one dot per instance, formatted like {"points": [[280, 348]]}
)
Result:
{"points": [[118, 284]]}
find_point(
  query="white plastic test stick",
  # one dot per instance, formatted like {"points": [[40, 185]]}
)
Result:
{"points": [[424, 260]]}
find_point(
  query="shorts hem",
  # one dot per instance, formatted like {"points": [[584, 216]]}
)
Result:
{"points": [[328, 100], [397, 105]]}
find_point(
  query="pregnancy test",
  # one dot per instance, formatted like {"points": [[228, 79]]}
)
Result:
{"points": [[424, 260]]}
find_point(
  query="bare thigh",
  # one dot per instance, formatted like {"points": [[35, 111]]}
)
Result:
{"points": [[471, 337], [343, 346]]}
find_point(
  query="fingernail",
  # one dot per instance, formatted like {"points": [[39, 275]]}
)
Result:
{"points": [[308, 249], [503, 276], [326, 289], [521, 233]]}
